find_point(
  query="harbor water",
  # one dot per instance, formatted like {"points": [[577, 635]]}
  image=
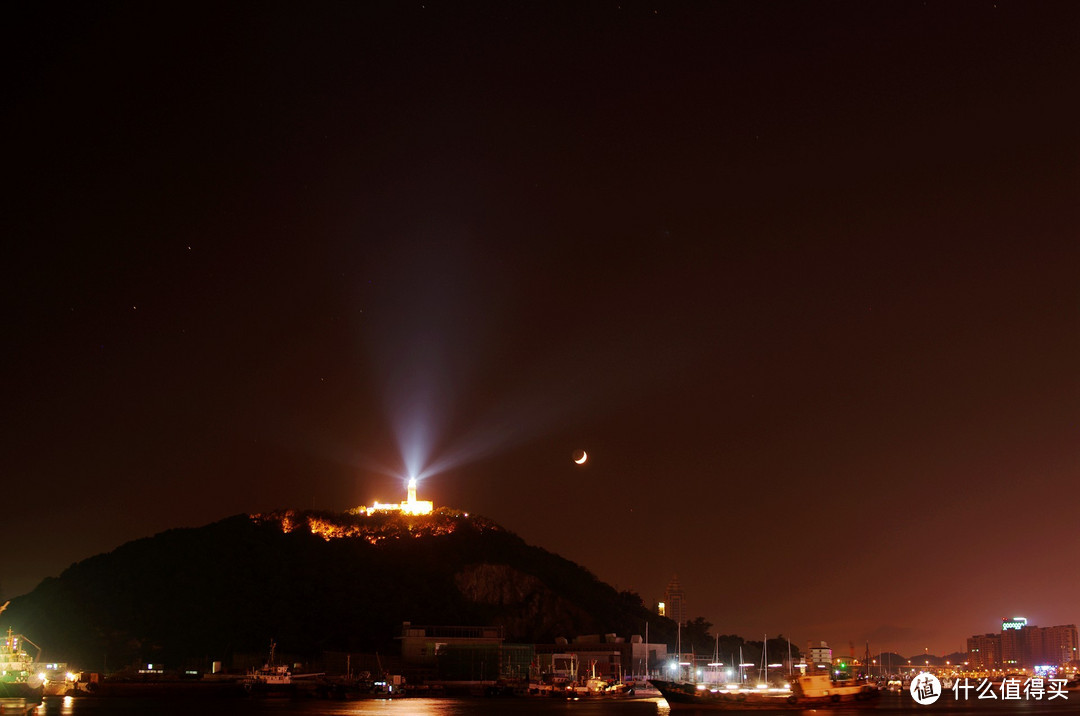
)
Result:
{"points": [[67, 706]]}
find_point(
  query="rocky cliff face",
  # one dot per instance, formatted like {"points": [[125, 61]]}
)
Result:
{"points": [[498, 584], [525, 603]]}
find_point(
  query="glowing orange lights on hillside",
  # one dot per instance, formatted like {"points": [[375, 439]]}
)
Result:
{"points": [[380, 523], [360, 525], [374, 527]]}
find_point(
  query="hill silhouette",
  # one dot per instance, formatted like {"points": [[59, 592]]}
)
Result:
{"points": [[314, 581]]}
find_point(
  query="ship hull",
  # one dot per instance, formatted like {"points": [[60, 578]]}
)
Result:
{"points": [[680, 695], [20, 690]]}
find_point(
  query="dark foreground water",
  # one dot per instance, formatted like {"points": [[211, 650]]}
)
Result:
{"points": [[55, 706]]}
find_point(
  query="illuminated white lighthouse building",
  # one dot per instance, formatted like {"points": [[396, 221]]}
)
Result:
{"points": [[410, 506]]}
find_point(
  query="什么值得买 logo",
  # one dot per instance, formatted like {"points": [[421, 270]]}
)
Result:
{"points": [[925, 689]]}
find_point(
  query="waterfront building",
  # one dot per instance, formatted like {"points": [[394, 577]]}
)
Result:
{"points": [[819, 656], [475, 653], [607, 656], [462, 653], [1016, 647], [1058, 645], [984, 652], [1023, 646], [423, 644]]}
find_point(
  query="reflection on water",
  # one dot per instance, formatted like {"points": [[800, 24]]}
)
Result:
{"points": [[91, 706]]}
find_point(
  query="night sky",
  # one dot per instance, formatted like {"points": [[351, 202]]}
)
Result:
{"points": [[802, 278]]}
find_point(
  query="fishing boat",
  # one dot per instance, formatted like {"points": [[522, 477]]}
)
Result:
{"points": [[18, 680], [272, 679]]}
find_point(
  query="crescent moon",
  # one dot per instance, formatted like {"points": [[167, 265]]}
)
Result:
{"points": [[584, 457]]}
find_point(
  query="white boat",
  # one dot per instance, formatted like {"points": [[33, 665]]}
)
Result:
{"points": [[807, 692]]}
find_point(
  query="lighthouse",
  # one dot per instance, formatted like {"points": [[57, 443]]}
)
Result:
{"points": [[410, 506]]}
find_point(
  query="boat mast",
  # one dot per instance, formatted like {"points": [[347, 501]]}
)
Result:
{"points": [[678, 649], [716, 660], [765, 658], [646, 649]]}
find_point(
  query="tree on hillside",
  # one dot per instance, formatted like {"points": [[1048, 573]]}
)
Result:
{"points": [[696, 637]]}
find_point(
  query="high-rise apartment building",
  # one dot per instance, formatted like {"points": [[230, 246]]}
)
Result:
{"points": [[984, 651], [1023, 646], [1059, 645], [675, 601]]}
